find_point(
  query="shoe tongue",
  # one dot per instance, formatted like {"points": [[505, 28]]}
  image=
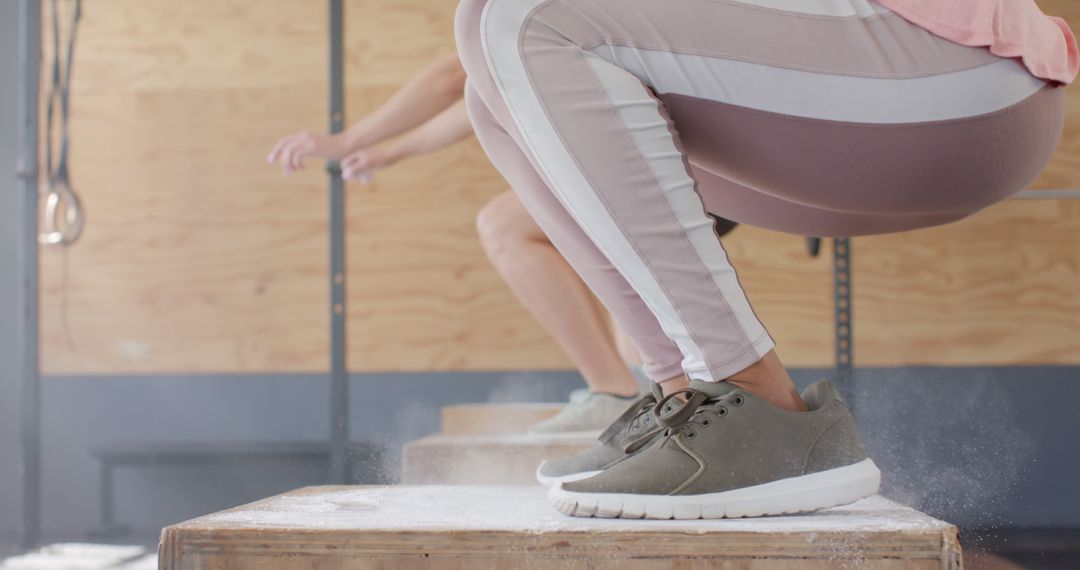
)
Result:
{"points": [[713, 389], [618, 427], [657, 391]]}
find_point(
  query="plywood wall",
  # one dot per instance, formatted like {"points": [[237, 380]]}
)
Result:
{"points": [[199, 257]]}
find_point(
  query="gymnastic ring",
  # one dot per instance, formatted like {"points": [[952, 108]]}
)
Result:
{"points": [[65, 230]]}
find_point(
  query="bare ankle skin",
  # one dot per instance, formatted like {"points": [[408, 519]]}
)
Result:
{"points": [[770, 381], [766, 379], [674, 384]]}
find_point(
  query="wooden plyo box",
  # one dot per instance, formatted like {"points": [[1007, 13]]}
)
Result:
{"points": [[512, 527], [487, 444], [484, 459], [473, 419]]}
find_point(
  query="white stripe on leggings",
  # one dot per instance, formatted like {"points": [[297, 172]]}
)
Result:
{"points": [[978, 91], [639, 112], [500, 25], [833, 8]]}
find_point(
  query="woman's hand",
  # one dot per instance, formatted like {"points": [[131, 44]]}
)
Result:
{"points": [[293, 149], [360, 165], [442, 130]]}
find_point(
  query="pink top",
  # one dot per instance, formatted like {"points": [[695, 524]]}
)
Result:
{"points": [[1011, 28]]}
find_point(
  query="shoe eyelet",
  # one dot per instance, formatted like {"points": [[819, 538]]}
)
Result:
{"points": [[705, 422], [738, 401], [691, 434], [648, 419], [721, 412]]}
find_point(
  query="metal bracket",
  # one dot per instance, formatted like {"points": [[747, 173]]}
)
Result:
{"points": [[842, 285]]}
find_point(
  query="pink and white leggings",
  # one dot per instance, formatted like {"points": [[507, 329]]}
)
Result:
{"points": [[621, 123]]}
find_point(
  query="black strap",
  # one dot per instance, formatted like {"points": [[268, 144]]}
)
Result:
{"points": [[59, 93], [59, 192]]}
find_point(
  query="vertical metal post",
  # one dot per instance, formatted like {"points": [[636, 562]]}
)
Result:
{"points": [[339, 374], [842, 283], [27, 335]]}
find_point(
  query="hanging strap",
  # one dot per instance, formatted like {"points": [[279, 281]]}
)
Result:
{"points": [[64, 217]]}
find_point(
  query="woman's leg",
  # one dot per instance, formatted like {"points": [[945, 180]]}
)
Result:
{"points": [[638, 205], [553, 293], [575, 82]]}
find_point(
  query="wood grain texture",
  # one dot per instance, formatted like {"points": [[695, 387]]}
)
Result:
{"points": [[484, 459], [471, 419], [1064, 169], [513, 527], [198, 257], [175, 106]]}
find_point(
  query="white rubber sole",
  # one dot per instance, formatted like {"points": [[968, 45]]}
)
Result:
{"points": [[549, 481], [810, 492]]}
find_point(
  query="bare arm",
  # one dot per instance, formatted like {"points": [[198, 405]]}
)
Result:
{"points": [[445, 129], [421, 98]]}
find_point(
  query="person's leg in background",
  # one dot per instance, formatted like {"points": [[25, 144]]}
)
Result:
{"points": [[560, 301], [550, 289]]}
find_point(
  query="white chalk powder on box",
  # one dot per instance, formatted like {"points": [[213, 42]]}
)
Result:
{"points": [[525, 509]]}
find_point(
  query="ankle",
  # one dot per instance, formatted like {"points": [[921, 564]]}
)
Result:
{"points": [[674, 384], [769, 380], [789, 400]]}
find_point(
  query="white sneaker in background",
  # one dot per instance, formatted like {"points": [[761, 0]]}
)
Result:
{"points": [[586, 415]]}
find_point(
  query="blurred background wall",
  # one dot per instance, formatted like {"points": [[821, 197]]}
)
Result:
{"points": [[195, 304]]}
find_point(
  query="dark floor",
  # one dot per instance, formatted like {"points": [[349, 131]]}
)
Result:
{"points": [[1033, 549], [1044, 562], [977, 560]]}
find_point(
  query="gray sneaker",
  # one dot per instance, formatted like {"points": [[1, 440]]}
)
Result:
{"points": [[728, 453], [586, 415], [628, 434]]}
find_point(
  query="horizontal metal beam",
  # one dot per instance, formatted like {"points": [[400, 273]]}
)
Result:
{"points": [[1047, 195]]}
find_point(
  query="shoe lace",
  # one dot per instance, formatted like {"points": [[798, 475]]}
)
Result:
{"points": [[691, 413], [631, 419]]}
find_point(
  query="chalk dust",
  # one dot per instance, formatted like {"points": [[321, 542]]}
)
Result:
{"points": [[525, 509]]}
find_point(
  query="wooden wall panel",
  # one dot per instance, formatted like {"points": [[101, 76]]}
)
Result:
{"points": [[199, 257], [1002, 287], [1064, 169]]}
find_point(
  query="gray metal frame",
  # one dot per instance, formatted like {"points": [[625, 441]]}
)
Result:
{"points": [[1047, 195], [27, 335], [339, 371], [843, 317]]}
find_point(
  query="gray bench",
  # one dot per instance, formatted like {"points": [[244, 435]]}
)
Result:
{"points": [[360, 456]]}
